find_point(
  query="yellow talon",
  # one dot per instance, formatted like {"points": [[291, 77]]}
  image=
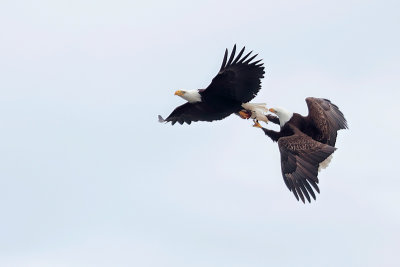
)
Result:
{"points": [[256, 124], [244, 114]]}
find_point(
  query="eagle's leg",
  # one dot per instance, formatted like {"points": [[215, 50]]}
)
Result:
{"points": [[273, 119]]}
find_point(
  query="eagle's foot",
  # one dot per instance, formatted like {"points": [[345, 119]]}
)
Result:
{"points": [[257, 124], [244, 114]]}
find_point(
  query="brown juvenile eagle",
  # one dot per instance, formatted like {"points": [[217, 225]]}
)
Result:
{"points": [[237, 82]]}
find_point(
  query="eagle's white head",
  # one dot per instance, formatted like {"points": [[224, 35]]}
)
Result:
{"points": [[283, 115], [192, 96]]}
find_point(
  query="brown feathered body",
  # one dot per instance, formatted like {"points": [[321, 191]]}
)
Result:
{"points": [[306, 144]]}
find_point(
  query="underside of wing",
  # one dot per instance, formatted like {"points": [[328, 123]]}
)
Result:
{"points": [[198, 111], [327, 119], [300, 160], [238, 79]]}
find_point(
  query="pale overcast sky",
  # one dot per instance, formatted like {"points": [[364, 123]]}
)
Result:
{"points": [[88, 177]]}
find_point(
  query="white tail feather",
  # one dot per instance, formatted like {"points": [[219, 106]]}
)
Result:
{"points": [[325, 163], [253, 106], [258, 111], [160, 119]]}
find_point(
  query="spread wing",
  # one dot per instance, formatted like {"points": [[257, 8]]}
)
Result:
{"points": [[239, 79], [327, 118], [198, 111], [300, 159]]}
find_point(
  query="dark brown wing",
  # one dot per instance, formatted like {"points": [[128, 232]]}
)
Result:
{"points": [[300, 159], [238, 79], [326, 118], [273, 119], [198, 111]]}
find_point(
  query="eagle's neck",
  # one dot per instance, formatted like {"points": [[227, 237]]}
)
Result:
{"points": [[192, 96], [284, 119], [284, 116]]}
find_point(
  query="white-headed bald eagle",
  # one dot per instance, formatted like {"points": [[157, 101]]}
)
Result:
{"points": [[237, 82], [306, 143]]}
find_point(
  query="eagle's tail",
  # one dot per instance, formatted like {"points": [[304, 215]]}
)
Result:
{"points": [[160, 119]]}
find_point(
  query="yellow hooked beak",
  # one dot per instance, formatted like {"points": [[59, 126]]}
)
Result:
{"points": [[272, 110], [179, 93]]}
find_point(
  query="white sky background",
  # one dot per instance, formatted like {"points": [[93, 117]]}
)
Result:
{"points": [[88, 177]]}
